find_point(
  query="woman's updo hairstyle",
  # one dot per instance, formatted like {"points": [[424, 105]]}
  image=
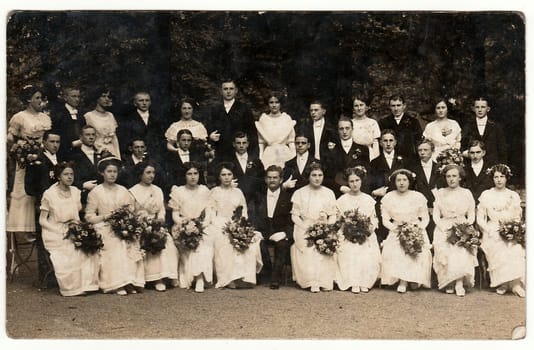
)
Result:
{"points": [[60, 167], [410, 175]]}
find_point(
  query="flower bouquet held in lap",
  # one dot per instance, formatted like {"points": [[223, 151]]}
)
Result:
{"points": [[25, 151], [464, 235], [125, 224], [240, 231], [84, 237], [512, 231], [411, 238], [153, 235], [323, 237], [188, 234], [449, 156], [355, 226]]}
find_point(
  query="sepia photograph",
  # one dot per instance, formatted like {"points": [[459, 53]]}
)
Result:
{"points": [[217, 173]]}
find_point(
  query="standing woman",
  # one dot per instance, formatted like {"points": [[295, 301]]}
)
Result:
{"points": [[454, 265], [186, 121], [76, 272], [358, 265], [188, 202], [506, 260], [30, 123], [443, 132], [121, 263], [276, 133], [104, 122], [149, 203], [233, 268], [366, 131], [312, 204], [399, 206]]}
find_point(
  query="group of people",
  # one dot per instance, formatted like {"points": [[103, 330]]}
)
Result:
{"points": [[285, 176]]}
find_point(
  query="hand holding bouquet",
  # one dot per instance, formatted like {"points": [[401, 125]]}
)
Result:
{"points": [[84, 237]]}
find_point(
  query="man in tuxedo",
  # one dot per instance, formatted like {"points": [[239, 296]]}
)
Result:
{"points": [[142, 124], [321, 135], [174, 161], [476, 179], [407, 128], [273, 219], [228, 117], [486, 130], [294, 168], [67, 120]]}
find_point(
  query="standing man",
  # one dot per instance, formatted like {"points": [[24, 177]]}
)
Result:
{"points": [[320, 133], [68, 122], [293, 174], [407, 129], [273, 219], [228, 117]]}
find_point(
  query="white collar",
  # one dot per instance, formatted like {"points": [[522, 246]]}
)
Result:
{"points": [[318, 123], [390, 155], [242, 156], [427, 164], [49, 155], [346, 143], [274, 194], [483, 120], [87, 149], [400, 117], [71, 109], [303, 156], [143, 114]]}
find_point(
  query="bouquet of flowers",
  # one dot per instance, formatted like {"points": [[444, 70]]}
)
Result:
{"points": [[240, 231], [355, 226], [188, 234], [153, 235], [25, 152], [324, 237], [512, 231], [411, 238], [464, 235], [125, 224], [449, 156], [84, 237]]}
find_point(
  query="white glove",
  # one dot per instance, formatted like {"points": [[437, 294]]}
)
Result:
{"points": [[89, 185], [289, 183]]}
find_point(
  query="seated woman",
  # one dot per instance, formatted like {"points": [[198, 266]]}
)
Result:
{"points": [[199, 132], [149, 203], [506, 260], [76, 272]]}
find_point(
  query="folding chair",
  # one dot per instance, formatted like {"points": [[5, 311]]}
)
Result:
{"points": [[20, 254]]}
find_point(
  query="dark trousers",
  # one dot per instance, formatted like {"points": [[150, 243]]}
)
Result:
{"points": [[281, 257], [46, 278]]}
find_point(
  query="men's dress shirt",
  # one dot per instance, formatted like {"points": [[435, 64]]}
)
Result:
{"points": [[52, 157], [389, 158], [144, 116], [272, 198], [318, 127], [346, 144], [228, 105], [301, 161], [242, 159], [427, 168], [73, 111], [477, 168], [398, 119], [481, 124], [137, 160], [184, 155], [89, 152]]}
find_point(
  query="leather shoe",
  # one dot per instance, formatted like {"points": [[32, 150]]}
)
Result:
{"points": [[274, 286]]}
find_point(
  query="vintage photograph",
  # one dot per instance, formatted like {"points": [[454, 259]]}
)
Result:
{"points": [[180, 174]]}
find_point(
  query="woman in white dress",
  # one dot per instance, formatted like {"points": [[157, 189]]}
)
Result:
{"points": [[188, 202], [366, 131], [276, 134], [121, 262], [404, 206], [454, 265], [358, 265], [104, 123], [443, 132], [200, 134], [30, 123], [233, 269], [506, 260], [149, 202], [312, 204], [76, 272]]}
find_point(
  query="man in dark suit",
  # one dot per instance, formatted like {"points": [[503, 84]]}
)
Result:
{"points": [[407, 128], [67, 120], [486, 130], [174, 161], [273, 219], [228, 117], [142, 124], [319, 132], [294, 168], [476, 179]]}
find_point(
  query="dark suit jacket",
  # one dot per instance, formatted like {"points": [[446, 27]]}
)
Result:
{"points": [[132, 126], [84, 170], [329, 134], [291, 169], [239, 118], [477, 184], [408, 132], [281, 220], [174, 168], [493, 138], [69, 129], [39, 177], [424, 186], [337, 161], [379, 171], [252, 179]]}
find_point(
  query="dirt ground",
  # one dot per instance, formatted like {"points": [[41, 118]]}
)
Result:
{"points": [[260, 313]]}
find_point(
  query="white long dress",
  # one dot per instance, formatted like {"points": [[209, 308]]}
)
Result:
{"points": [[76, 272], [506, 260], [366, 132], [231, 265], [189, 204], [452, 262], [277, 135], [121, 263], [358, 264], [434, 132], [21, 214], [311, 268], [410, 207], [105, 126], [149, 202]]}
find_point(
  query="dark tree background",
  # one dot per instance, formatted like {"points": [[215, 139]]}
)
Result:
{"points": [[306, 55]]}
